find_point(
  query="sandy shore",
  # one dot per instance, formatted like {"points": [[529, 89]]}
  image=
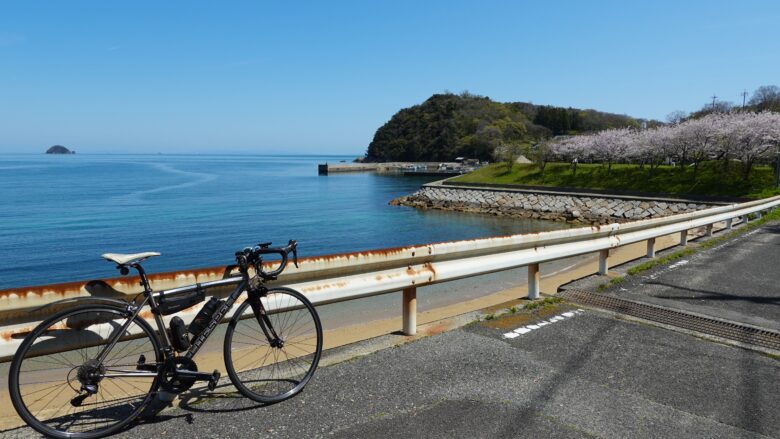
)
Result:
{"points": [[210, 357]]}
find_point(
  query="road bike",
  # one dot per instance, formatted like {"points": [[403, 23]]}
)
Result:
{"points": [[90, 370]]}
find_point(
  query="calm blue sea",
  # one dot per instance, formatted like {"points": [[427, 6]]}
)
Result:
{"points": [[59, 213]]}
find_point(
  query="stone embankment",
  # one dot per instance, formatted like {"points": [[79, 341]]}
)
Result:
{"points": [[576, 208]]}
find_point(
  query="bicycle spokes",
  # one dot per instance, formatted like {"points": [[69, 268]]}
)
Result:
{"points": [[63, 386]]}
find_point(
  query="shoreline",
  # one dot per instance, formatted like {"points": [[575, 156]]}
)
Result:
{"points": [[573, 208]]}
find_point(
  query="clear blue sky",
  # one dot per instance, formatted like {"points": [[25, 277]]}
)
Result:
{"points": [[320, 77]]}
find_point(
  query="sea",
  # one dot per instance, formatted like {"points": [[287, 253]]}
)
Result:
{"points": [[59, 213]]}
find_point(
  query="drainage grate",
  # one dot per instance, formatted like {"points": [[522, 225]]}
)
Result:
{"points": [[732, 331]]}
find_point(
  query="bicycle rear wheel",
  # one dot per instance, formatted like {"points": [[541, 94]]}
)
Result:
{"points": [[59, 387], [268, 370]]}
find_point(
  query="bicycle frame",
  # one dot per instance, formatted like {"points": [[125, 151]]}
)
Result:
{"points": [[151, 299]]}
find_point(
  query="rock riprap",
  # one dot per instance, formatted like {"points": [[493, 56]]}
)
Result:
{"points": [[557, 207]]}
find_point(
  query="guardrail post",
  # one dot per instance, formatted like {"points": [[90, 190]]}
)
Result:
{"points": [[729, 223], [709, 230], [533, 281], [684, 237], [651, 248], [410, 310], [603, 261]]}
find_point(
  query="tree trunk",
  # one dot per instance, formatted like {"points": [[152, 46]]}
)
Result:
{"points": [[609, 169], [746, 167]]}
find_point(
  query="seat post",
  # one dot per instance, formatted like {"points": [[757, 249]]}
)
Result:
{"points": [[144, 280]]}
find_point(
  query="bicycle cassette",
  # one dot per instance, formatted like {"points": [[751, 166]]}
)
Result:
{"points": [[173, 381]]}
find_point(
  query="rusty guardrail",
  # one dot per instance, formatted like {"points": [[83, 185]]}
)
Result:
{"points": [[350, 276]]}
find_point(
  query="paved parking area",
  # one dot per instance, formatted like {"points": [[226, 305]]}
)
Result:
{"points": [[738, 280], [590, 375]]}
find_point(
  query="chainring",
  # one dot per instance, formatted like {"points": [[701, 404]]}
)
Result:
{"points": [[173, 382]]}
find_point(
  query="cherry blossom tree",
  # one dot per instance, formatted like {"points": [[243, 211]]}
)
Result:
{"points": [[756, 137], [745, 136]]}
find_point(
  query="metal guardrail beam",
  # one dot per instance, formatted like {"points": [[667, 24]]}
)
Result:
{"points": [[349, 276]]}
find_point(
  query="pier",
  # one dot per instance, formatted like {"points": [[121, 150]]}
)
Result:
{"points": [[405, 168]]}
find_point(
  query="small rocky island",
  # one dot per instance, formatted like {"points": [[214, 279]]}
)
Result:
{"points": [[59, 149]]}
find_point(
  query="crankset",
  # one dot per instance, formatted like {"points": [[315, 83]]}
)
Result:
{"points": [[173, 380], [180, 373]]}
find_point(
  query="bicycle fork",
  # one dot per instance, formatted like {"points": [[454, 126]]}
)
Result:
{"points": [[254, 297]]}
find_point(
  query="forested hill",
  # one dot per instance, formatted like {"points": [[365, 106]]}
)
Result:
{"points": [[446, 126]]}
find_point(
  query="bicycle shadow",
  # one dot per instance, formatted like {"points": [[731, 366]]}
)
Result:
{"points": [[202, 400]]}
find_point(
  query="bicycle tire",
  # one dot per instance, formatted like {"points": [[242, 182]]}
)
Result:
{"points": [[82, 323], [269, 382]]}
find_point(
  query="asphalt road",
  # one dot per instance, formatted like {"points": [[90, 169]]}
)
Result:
{"points": [[587, 374], [737, 280], [591, 375]]}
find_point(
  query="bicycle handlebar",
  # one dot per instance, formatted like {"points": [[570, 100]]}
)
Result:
{"points": [[252, 255]]}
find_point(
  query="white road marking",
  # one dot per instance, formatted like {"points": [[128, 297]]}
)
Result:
{"points": [[528, 328]]}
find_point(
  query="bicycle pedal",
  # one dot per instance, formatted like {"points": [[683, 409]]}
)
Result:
{"points": [[214, 380], [142, 365]]}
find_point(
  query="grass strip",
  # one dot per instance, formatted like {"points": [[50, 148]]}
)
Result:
{"points": [[614, 281], [547, 301]]}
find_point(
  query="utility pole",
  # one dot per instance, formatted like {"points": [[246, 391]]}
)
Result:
{"points": [[744, 95], [713, 101]]}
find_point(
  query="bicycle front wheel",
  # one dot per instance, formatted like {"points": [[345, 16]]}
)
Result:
{"points": [[273, 361], [62, 388]]}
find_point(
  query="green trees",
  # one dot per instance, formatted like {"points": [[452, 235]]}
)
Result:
{"points": [[447, 126], [766, 97]]}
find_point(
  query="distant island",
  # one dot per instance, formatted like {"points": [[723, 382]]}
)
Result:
{"points": [[59, 149]]}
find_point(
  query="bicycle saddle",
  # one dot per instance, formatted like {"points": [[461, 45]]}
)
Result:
{"points": [[128, 259]]}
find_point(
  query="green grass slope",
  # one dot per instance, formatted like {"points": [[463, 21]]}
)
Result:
{"points": [[711, 179]]}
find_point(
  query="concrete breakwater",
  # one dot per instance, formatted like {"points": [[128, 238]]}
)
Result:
{"points": [[392, 167], [576, 208], [381, 168]]}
